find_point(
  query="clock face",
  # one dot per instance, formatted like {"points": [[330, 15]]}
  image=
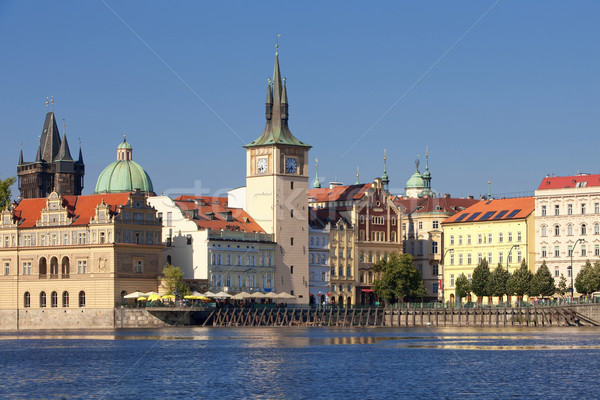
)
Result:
{"points": [[261, 165], [290, 165]]}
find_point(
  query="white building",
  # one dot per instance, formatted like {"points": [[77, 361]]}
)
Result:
{"points": [[318, 262], [216, 244], [567, 223]]}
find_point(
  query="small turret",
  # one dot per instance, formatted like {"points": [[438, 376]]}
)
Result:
{"points": [[385, 180], [316, 183]]}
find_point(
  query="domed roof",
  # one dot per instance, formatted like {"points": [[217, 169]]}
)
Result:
{"points": [[123, 175], [415, 181]]}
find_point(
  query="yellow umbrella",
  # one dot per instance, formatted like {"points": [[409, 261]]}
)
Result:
{"points": [[141, 299], [168, 297], [203, 298], [153, 297]]}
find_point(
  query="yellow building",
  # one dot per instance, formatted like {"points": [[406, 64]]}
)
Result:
{"points": [[68, 260], [500, 231]]}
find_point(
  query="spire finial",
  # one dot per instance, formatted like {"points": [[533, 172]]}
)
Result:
{"points": [[47, 103], [357, 176], [124, 137], [489, 189], [277, 44], [52, 103], [64, 127], [316, 183]]}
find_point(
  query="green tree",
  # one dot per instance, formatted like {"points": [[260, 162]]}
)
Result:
{"points": [[172, 279], [520, 281], [561, 288], [462, 287], [542, 283], [499, 278], [399, 279], [588, 279], [481, 280], [5, 192]]}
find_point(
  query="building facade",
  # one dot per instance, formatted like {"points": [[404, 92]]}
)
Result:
{"points": [[318, 262], [500, 231], [53, 170], [68, 260], [567, 223], [216, 245]]}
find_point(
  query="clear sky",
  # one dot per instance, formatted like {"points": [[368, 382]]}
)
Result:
{"points": [[506, 91]]}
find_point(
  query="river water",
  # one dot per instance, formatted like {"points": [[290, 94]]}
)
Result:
{"points": [[301, 363]]}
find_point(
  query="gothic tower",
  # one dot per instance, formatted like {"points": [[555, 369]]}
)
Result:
{"points": [[53, 169], [277, 190]]}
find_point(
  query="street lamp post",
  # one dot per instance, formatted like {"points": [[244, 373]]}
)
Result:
{"points": [[570, 267], [514, 246], [451, 251]]}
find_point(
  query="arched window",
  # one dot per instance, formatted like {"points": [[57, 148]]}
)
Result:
{"points": [[54, 299], [239, 281], [82, 299], [43, 269], [169, 260], [556, 230], [42, 299], [228, 281], [583, 229], [569, 229], [596, 229], [26, 300], [54, 267], [543, 230], [65, 299], [66, 267]]}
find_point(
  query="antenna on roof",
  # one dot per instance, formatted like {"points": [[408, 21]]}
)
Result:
{"points": [[489, 189]]}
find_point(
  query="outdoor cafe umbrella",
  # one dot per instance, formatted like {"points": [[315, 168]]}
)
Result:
{"points": [[241, 296], [258, 295], [197, 293], [208, 294], [271, 295], [141, 298], [222, 295], [168, 297], [284, 295], [154, 297], [151, 293], [134, 295]]}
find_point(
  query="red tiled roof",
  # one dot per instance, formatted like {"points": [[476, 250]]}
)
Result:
{"points": [[218, 206], [339, 193], [560, 182], [80, 208], [447, 205], [495, 210], [319, 217]]}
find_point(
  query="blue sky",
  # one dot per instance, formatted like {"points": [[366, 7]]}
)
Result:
{"points": [[505, 91]]}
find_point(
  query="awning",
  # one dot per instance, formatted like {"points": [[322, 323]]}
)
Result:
{"points": [[367, 290]]}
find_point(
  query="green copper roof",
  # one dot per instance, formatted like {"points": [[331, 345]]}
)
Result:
{"points": [[124, 145], [415, 181], [277, 130], [123, 176]]}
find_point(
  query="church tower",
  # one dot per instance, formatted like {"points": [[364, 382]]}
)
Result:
{"points": [[277, 190], [53, 169]]}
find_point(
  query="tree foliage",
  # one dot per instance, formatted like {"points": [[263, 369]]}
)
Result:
{"points": [[481, 280], [499, 278], [462, 286], [520, 281], [5, 192], [399, 279], [588, 279], [542, 283], [172, 279], [561, 288]]}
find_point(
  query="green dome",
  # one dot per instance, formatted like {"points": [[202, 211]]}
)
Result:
{"points": [[124, 145], [123, 176], [415, 181]]}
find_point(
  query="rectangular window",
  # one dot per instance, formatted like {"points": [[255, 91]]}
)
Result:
{"points": [[451, 259], [420, 225], [434, 287], [519, 236], [434, 269], [82, 267], [479, 258], [500, 257], [460, 239], [569, 270], [469, 259], [169, 218], [6, 268], [452, 240], [509, 237], [544, 252], [583, 208], [434, 247], [489, 238], [480, 238], [519, 256], [509, 258], [468, 239], [436, 224], [460, 259], [569, 209], [556, 251], [597, 208], [27, 268], [597, 250], [500, 238], [583, 251], [451, 280], [543, 211], [556, 209], [556, 272], [349, 253], [291, 241], [490, 258], [570, 252]]}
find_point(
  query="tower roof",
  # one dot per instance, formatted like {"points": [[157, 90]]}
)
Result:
{"points": [[276, 129], [123, 176], [50, 139], [63, 153]]}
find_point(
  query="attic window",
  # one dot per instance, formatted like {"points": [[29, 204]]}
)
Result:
{"points": [[246, 220], [210, 215], [581, 184]]}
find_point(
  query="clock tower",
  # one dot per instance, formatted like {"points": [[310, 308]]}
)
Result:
{"points": [[277, 190]]}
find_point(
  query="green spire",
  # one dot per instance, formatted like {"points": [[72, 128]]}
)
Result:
{"points": [[316, 183], [357, 177], [385, 180]]}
